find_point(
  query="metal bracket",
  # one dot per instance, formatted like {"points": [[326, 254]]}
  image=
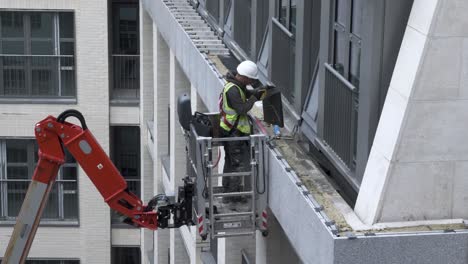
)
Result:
{"points": [[318, 209]]}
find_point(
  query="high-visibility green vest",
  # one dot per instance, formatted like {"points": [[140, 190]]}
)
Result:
{"points": [[229, 115]]}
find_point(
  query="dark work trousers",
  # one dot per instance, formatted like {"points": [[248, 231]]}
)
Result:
{"points": [[237, 159]]}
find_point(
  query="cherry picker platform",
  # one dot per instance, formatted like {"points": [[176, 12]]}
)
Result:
{"points": [[204, 150]]}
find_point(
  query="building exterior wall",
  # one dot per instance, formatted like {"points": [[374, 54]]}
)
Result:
{"points": [[90, 241], [420, 140]]}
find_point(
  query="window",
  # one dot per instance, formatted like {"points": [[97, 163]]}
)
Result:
{"points": [[347, 28], [124, 32], [125, 153], [19, 158], [286, 14], [37, 54], [243, 24], [126, 255]]}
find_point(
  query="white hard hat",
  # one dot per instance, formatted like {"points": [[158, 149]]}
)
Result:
{"points": [[248, 69]]}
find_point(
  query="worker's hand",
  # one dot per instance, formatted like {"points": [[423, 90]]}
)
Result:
{"points": [[260, 93]]}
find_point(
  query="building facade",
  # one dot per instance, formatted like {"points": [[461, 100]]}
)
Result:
{"points": [[373, 97], [57, 55]]}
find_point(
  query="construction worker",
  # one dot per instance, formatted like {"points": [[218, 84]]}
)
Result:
{"points": [[235, 102]]}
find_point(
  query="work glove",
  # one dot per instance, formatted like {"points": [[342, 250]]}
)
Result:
{"points": [[260, 93]]}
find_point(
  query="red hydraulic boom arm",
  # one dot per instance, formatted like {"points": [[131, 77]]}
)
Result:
{"points": [[54, 134]]}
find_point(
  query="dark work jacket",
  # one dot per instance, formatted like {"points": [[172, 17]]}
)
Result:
{"points": [[234, 98]]}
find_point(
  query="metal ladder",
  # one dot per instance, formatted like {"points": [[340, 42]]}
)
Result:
{"points": [[214, 217], [241, 222]]}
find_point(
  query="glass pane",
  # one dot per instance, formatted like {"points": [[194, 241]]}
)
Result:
{"points": [[70, 200], [35, 261], [340, 49], [243, 24], [67, 48], [43, 72], [42, 82], [67, 82], [341, 11], [265, 53], [16, 191], [12, 24], [51, 210], [17, 151], [355, 63], [13, 47], [126, 255], [134, 186], [292, 19], [67, 29], [69, 173], [41, 25], [42, 47], [68, 157], [36, 154], [14, 82], [126, 30], [357, 17], [283, 9], [20, 172]]}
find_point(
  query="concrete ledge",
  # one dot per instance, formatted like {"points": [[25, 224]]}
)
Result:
{"points": [[295, 211], [195, 65]]}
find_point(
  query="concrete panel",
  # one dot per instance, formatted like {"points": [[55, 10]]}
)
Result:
{"points": [[124, 115], [368, 203], [452, 20], [422, 15], [126, 237], [276, 247], [389, 128], [308, 234], [460, 190], [408, 61], [403, 249], [434, 132], [377, 172], [419, 191], [440, 71], [463, 93]]}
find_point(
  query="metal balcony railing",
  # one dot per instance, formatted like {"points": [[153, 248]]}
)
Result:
{"points": [[62, 203], [40, 76], [125, 79], [340, 116]]}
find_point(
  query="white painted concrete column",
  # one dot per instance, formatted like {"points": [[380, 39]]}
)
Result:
{"points": [[161, 126], [178, 84], [146, 114]]}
